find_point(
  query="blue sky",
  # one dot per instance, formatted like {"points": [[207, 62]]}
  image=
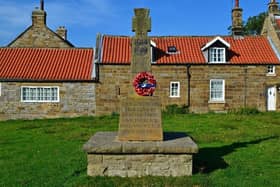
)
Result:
{"points": [[85, 18]]}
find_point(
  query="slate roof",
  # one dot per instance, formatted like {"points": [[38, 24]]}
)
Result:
{"points": [[47, 64], [246, 50]]}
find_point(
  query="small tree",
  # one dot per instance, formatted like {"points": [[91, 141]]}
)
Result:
{"points": [[254, 25]]}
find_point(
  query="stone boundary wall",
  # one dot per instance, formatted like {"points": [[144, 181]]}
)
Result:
{"points": [[76, 99]]}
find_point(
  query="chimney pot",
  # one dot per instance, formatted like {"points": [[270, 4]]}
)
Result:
{"points": [[62, 32], [237, 22], [273, 7], [39, 17]]}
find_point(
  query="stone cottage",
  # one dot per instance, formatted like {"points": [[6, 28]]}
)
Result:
{"points": [[42, 75], [206, 73]]}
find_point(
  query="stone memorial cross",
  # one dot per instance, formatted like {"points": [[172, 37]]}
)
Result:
{"points": [[140, 116]]}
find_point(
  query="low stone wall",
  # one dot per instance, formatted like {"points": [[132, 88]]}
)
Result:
{"points": [[137, 165], [76, 99]]}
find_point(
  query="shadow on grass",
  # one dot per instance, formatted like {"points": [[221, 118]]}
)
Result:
{"points": [[173, 135], [211, 159]]}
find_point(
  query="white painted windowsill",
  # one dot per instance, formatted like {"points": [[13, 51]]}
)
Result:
{"points": [[216, 102], [174, 96], [271, 75]]}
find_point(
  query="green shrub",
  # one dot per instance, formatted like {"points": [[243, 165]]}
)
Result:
{"points": [[245, 111], [175, 109]]}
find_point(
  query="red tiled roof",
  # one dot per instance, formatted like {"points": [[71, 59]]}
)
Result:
{"points": [[46, 64], [116, 49], [249, 50]]}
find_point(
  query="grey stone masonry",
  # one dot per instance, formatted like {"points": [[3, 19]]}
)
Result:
{"points": [[75, 99], [109, 157]]}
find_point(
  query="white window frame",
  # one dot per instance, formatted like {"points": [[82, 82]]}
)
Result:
{"points": [[152, 48], [270, 71], [215, 55], [38, 98], [221, 99], [171, 93]]}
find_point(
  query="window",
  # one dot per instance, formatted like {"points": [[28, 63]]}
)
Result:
{"points": [[39, 94], [217, 55], [217, 90], [174, 89], [270, 70]]}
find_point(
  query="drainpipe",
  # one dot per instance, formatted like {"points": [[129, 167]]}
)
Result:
{"points": [[189, 85], [245, 85]]}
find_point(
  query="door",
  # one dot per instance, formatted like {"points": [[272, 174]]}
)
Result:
{"points": [[271, 99]]}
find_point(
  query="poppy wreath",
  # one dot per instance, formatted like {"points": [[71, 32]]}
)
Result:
{"points": [[144, 84]]}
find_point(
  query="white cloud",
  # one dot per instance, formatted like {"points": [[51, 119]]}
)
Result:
{"points": [[81, 13], [14, 14]]}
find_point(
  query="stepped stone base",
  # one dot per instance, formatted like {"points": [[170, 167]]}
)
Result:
{"points": [[109, 157]]}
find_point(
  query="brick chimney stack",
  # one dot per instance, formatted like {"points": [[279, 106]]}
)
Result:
{"points": [[237, 25], [62, 32], [39, 16], [273, 7]]}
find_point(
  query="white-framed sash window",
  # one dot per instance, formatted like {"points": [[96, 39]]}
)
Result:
{"points": [[39, 94], [270, 70], [217, 90], [174, 89], [217, 55]]}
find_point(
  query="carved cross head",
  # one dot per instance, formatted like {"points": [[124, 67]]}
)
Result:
{"points": [[141, 23]]}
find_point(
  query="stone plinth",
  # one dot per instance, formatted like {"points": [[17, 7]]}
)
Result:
{"points": [[140, 119], [109, 157]]}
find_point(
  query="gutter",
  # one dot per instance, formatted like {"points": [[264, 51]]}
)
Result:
{"points": [[47, 81]]}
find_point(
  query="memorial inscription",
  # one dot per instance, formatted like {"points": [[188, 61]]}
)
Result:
{"points": [[141, 47], [140, 119]]}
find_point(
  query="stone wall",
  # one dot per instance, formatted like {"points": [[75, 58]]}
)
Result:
{"points": [[40, 37], [245, 86], [137, 165], [115, 82], [171, 157], [76, 99], [270, 29]]}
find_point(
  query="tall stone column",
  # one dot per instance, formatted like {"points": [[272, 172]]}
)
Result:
{"points": [[141, 53], [140, 116]]}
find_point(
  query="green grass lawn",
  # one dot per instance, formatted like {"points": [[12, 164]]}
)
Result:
{"points": [[235, 150]]}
